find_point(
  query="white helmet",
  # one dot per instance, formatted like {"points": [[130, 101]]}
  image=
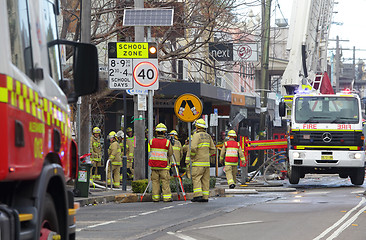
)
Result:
{"points": [[120, 134]]}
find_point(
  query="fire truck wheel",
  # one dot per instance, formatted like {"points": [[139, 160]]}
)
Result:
{"points": [[49, 221], [294, 175], [358, 176]]}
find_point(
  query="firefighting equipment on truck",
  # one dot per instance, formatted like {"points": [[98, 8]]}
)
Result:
{"points": [[114, 156], [96, 154], [202, 147], [231, 152], [160, 153]]}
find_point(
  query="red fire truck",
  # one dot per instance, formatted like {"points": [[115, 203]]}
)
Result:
{"points": [[37, 153]]}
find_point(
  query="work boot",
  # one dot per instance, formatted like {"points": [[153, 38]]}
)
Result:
{"points": [[197, 199], [232, 186], [203, 200]]}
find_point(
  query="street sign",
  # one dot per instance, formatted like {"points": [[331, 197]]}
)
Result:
{"points": [[120, 73], [188, 107], [145, 74], [133, 65], [135, 92]]}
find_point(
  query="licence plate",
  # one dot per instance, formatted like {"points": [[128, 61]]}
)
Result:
{"points": [[327, 157]]}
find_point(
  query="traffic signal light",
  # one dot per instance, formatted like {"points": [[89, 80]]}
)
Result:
{"points": [[153, 50]]}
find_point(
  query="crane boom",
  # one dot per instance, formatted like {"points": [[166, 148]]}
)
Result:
{"points": [[307, 42]]}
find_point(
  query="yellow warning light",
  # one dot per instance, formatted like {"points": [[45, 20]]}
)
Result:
{"points": [[152, 50]]}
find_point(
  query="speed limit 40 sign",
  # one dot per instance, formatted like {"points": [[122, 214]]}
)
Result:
{"points": [[145, 74], [133, 65]]}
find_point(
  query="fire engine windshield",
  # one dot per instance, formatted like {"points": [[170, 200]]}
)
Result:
{"points": [[326, 110]]}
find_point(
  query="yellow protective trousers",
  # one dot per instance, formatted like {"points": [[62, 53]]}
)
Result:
{"points": [[201, 181], [115, 175], [162, 175], [231, 172]]}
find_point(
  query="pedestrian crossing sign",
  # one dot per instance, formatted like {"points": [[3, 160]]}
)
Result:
{"points": [[188, 107]]}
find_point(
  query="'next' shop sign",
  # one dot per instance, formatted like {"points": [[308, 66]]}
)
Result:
{"points": [[224, 52]]}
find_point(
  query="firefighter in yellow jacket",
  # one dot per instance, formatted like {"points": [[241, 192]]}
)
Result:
{"points": [[96, 154], [121, 136], [114, 155], [187, 157], [202, 147], [231, 152], [177, 147], [130, 152], [160, 153]]}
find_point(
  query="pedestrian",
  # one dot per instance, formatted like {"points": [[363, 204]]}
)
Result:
{"points": [[160, 153], [231, 152], [177, 147], [131, 151], [114, 155], [96, 154], [202, 147]]}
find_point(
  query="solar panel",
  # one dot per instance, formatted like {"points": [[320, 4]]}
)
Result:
{"points": [[148, 17]]}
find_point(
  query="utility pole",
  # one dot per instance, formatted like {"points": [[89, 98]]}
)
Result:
{"points": [[84, 115], [264, 73], [139, 116]]}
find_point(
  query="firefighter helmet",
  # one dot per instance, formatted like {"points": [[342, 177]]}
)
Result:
{"points": [[129, 129], [161, 128], [112, 134], [173, 132], [231, 133], [96, 130], [201, 123], [120, 134]]}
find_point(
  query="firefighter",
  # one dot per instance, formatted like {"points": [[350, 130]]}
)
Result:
{"points": [[114, 155], [96, 154], [186, 157], [130, 154], [177, 147], [202, 147], [230, 152], [160, 153], [121, 136]]}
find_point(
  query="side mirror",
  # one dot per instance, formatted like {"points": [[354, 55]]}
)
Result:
{"points": [[282, 109], [85, 70]]}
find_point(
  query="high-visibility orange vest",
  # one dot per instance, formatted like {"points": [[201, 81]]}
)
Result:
{"points": [[159, 153], [232, 148]]}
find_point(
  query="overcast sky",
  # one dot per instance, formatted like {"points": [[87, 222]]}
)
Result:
{"points": [[350, 13]]}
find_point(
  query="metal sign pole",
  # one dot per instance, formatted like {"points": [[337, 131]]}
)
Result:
{"points": [[189, 149]]}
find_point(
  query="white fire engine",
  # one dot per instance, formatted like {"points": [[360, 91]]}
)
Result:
{"points": [[325, 130]]}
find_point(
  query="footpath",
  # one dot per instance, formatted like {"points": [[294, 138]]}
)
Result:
{"points": [[102, 196]]}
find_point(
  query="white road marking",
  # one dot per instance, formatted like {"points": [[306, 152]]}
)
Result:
{"points": [[316, 193], [358, 192], [228, 224], [95, 225], [363, 200], [166, 207], [346, 224], [181, 236], [146, 213]]}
